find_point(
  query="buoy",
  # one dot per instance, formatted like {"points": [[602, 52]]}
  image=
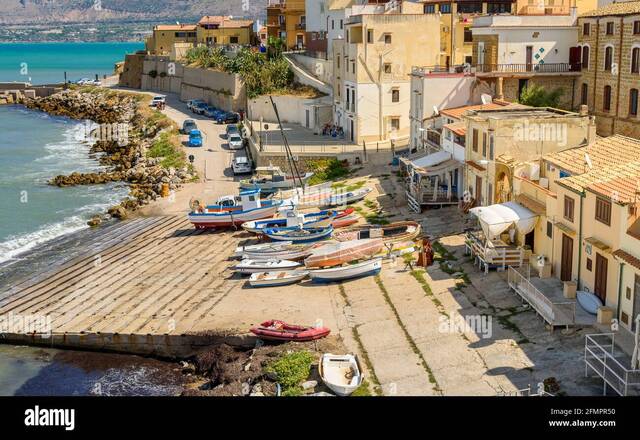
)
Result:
{"points": [[165, 190]]}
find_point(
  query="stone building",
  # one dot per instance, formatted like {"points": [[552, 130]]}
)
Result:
{"points": [[609, 41]]}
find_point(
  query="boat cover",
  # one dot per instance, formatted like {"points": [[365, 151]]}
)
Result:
{"points": [[496, 219]]}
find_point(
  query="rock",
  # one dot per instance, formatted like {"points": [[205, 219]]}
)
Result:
{"points": [[260, 394], [310, 384], [118, 212], [94, 221]]}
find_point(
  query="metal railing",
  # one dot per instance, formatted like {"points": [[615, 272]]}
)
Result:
{"points": [[526, 68], [599, 357], [553, 312]]}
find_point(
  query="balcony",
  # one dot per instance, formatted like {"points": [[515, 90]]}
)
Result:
{"points": [[528, 69], [301, 26]]}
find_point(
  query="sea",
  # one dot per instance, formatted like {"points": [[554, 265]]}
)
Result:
{"points": [[37, 220]]}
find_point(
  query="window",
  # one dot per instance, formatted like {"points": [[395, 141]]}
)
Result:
{"points": [[635, 60], [395, 124], [586, 29], [584, 98], [585, 57], [395, 95], [429, 9], [569, 204], [490, 147], [603, 211], [475, 140], [499, 8], [468, 36], [445, 8], [387, 38], [341, 24], [628, 293], [233, 40], [608, 57], [369, 35], [484, 144], [353, 67], [636, 27], [589, 264], [338, 61], [609, 28], [333, 24], [470, 7], [633, 102], [606, 99], [549, 229], [387, 67]]}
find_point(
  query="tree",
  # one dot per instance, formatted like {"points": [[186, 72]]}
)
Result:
{"points": [[538, 96]]}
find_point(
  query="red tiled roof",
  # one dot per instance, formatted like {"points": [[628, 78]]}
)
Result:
{"points": [[457, 112], [176, 27]]}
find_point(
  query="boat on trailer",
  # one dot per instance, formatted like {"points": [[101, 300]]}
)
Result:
{"points": [[341, 373], [276, 330], [347, 272], [232, 210], [281, 278]]}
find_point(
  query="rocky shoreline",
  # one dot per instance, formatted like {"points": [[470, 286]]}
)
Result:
{"points": [[122, 147]]}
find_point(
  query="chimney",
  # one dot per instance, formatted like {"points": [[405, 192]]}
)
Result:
{"points": [[584, 110]]}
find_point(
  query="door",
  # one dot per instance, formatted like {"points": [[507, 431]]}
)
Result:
{"points": [[481, 54], [307, 118], [600, 287], [352, 130], [479, 190], [529, 57], [566, 261], [636, 302]]}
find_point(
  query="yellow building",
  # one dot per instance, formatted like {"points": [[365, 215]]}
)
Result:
{"points": [[595, 222], [286, 20], [165, 37], [223, 30]]}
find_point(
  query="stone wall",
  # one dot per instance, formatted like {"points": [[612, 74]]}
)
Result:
{"points": [[131, 75]]}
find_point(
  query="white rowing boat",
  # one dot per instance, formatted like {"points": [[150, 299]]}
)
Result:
{"points": [[341, 373], [350, 271], [253, 266], [282, 278]]}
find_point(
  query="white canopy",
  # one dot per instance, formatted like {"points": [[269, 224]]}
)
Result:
{"points": [[431, 159], [496, 219]]}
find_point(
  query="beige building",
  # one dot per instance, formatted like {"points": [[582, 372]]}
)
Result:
{"points": [[609, 40], [372, 65], [165, 37], [286, 20], [223, 30], [592, 226]]}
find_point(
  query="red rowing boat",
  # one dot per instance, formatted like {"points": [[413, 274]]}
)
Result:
{"points": [[276, 330]]}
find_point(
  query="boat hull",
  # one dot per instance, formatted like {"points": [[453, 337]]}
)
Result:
{"points": [[365, 269], [275, 330], [391, 233], [274, 279], [335, 254], [297, 237], [227, 219], [251, 266], [333, 371]]}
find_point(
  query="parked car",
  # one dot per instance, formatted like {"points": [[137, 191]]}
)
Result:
{"points": [[235, 141], [212, 112], [228, 118], [189, 125], [195, 138], [232, 129], [241, 165], [82, 81], [200, 108], [156, 100], [192, 103]]}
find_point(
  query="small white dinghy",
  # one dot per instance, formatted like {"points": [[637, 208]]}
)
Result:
{"points": [[588, 301], [282, 278], [341, 373], [262, 247], [253, 266]]}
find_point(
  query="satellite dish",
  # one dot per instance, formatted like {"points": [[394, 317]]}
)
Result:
{"points": [[587, 160], [486, 99], [435, 110]]}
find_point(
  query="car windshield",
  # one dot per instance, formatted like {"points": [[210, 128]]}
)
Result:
{"points": [[235, 138], [232, 129]]}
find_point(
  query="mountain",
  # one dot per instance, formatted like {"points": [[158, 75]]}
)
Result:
{"points": [[20, 12]]}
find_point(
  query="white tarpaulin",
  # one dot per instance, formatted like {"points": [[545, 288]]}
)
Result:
{"points": [[496, 219]]}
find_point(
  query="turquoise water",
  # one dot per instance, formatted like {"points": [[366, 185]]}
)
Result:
{"points": [[43, 63], [33, 148]]}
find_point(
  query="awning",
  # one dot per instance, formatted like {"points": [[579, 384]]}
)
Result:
{"points": [[431, 159], [496, 219]]}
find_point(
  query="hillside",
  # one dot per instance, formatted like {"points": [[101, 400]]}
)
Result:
{"points": [[16, 12]]}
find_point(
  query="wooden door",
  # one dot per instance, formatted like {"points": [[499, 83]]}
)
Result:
{"points": [[479, 189], [600, 287], [566, 261], [529, 58]]}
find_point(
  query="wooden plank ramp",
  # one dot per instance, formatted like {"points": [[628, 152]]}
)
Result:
{"points": [[143, 287]]}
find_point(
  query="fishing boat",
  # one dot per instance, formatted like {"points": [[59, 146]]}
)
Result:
{"points": [[345, 221], [270, 179], [262, 247], [299, 235], [338, 198], [320, 219], [393, 232], [276, 330], [281, 278], [347, 272], [338, 253], [232, 210], [253, 266], [341, 373], [294, 252]]}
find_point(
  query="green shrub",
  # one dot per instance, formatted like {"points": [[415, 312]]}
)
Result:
{"points": [[165, 147], [327, 169], [537, 96], [291, 370]]}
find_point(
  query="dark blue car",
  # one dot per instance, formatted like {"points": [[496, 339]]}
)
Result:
{"points": [[228, 118]]}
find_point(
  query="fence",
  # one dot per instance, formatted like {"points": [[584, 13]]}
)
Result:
{"points": [[529, 67], [599, 357]]}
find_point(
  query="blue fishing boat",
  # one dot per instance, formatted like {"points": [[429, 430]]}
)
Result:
{"points": [[232, 210], [320, 219], [298, 235]]}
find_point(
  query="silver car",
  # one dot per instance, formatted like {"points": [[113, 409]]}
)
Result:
{"points": [[235, 141], [241, 165]]}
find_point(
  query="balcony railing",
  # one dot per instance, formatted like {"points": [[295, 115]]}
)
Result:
{"points": [[529, 68], [600, 358]]}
